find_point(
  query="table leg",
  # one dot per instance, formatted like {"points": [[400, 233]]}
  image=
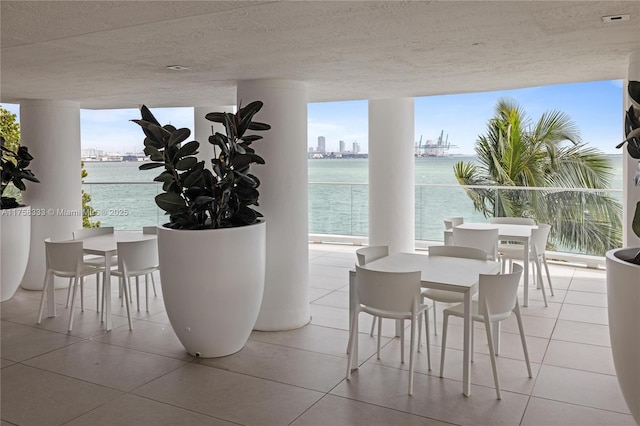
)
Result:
{"points": [[352, 309], [51, 295], [107, 291], [466, 363], [525, 271]]}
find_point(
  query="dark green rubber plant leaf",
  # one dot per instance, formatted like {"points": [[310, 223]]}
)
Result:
{"points": [[635, 224]]}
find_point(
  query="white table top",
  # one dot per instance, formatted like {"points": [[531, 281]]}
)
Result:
{"points": [[504, 229], [108, 243], [441, 272]]}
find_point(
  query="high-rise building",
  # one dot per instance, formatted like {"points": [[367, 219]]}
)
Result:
{"points": [[356, 148], [341, 146], [321, 144]]}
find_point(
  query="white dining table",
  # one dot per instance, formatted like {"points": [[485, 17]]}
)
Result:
{"points": [[107, 245], [509, 232], [439, 272]]}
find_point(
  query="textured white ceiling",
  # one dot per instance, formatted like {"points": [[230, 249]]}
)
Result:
{"points": [[106, 54]]}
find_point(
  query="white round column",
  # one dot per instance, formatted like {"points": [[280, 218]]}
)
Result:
{"points": [[392, 174], [631, 193], [283, 199], [51, 131], [202, 130]]}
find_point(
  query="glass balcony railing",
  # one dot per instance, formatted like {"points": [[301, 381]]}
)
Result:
{"points": [[343, 208]]}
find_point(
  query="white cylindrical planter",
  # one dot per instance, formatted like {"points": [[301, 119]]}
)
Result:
{"points": [[15, 237], [51, 130], [623, 296], [392, 174], [212, 285], [283, 199]]}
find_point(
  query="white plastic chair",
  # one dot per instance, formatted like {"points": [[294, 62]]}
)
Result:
{"points": [[369, 254], [93, 259], [483, 239], [445, 296], [513, 220], [537, 248], [136, 259], [65, 259], [497, 298], [394, 295], [366, 255], [449, 223]]}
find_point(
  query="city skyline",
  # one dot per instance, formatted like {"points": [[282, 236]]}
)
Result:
{"points": [[595, 107]]}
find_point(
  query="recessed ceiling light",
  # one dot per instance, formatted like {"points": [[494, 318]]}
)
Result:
{"points": [[177, 68], [615, 18]]}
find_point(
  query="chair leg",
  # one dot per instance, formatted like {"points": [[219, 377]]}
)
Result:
{"points": [[420, 325], [379, 333], [412, 350], [522, 337], [81, 294], [540, 283], [420, 330], [138, 292], [426, 327], [69, 291], [146, 291], [153, 282], [373, 326], [401, 341], [492, 354], [73, 301], [546, 267], [125, 290], [445, 321], [43, 296]]}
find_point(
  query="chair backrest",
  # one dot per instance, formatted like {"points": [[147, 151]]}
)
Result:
{"points": [[63, 256], [500, 291], [483, 239], [389, 291], [92, 232], [514, 220], [458, 251], [137, 255], [450, 222], [150, 230], [539, 237], [369, 254]]}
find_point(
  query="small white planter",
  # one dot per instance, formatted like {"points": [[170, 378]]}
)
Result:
{"points": [[212, 285], [15, 237], [623, 295]]}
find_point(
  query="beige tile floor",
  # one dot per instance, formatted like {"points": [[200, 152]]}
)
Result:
{"points": [[144, 377]]}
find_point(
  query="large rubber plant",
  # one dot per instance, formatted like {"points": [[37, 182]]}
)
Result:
{"points": [[194, 196]]}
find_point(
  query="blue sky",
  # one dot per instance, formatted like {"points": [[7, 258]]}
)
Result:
{"points": [[595, 107]]}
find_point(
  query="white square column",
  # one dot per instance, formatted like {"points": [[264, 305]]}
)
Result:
{"points": [[51, 131], [392, 174], [283, 199]]}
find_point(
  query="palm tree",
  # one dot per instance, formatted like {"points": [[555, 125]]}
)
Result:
{"points": [[545, 154]]}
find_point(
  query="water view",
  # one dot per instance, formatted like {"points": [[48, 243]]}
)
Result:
{"points": [[338, 195]]}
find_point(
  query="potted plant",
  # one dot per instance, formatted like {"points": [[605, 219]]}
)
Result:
{"points": [[623, 282], [212, 251], [16, 218]]}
